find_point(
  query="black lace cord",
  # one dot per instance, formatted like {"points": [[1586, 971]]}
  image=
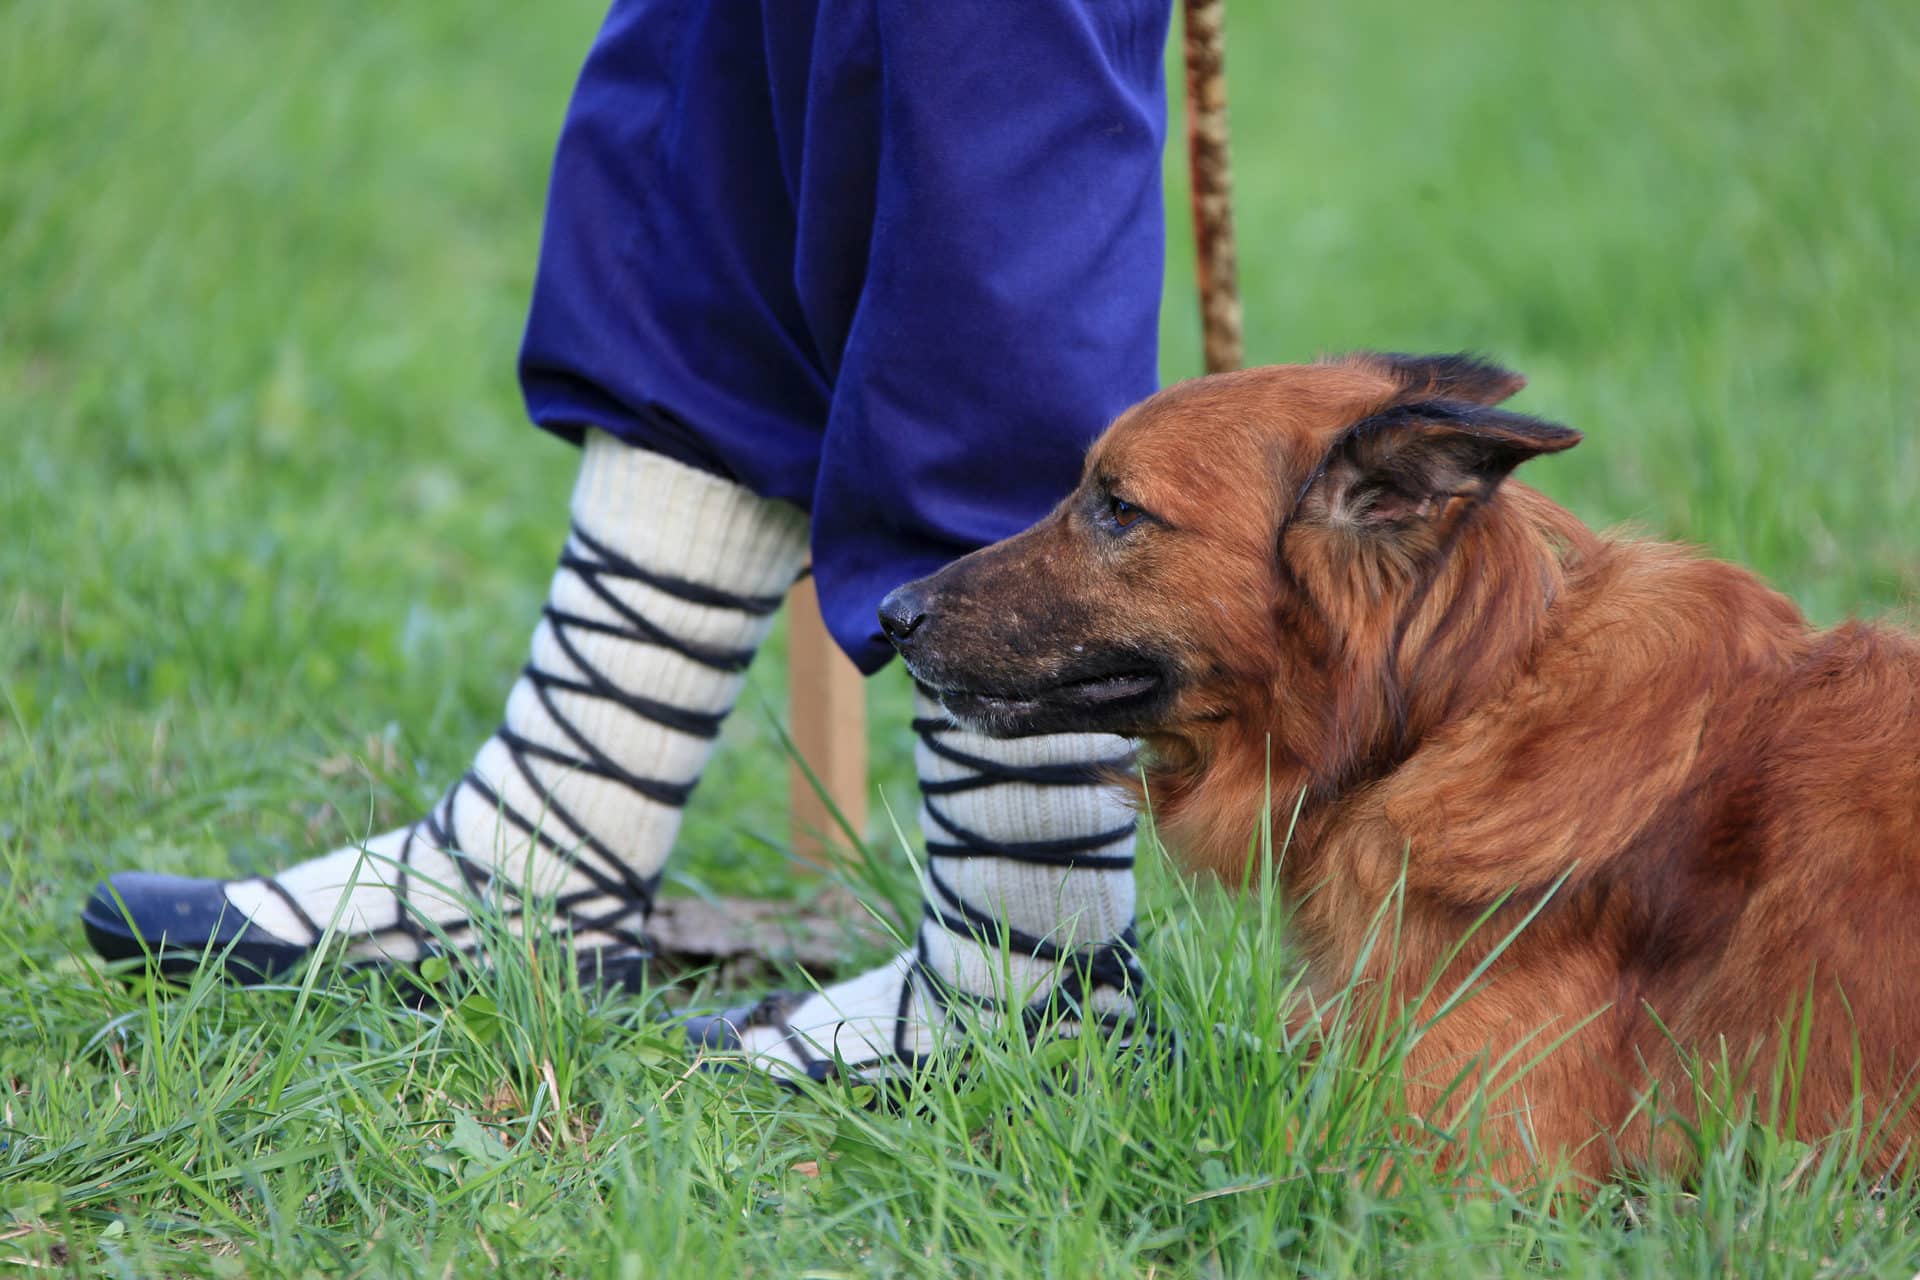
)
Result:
{"points": [[621, 883], [594, 760], [989, 773], [640, 627], [1103, 964], [614, 923], [771, 1011], [909, 1058], [1072, 852], [699, 724], [993, 933], [631, 890], [612, 564], [1069, 853], [1068, 993], [636, 890], [403, 918], [307, 922], [479, 878], [476, 876], [1110, 964]]}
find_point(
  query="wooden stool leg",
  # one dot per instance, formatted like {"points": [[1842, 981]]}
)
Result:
{"points": [[827, 700]]}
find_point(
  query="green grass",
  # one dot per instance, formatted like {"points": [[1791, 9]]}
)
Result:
{"points": [[272, 532]]}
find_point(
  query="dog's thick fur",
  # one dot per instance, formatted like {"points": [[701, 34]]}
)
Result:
{"points": [[1318, 581]]}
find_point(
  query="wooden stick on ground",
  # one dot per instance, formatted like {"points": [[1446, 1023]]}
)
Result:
{"points": [[1212, 183]]}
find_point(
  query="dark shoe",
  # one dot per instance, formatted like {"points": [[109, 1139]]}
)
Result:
{"points": [[182, 922], [720, 1032]]}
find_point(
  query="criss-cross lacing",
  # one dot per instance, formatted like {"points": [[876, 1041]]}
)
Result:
{"points": [[611, 876], [556, 829], [665, 587], [1082, 969]]}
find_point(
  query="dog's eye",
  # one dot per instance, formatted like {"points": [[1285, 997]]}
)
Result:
{"points": [[1123, 512]]}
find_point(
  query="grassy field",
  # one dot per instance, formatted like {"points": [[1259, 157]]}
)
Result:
{"points": [[272, 533]]}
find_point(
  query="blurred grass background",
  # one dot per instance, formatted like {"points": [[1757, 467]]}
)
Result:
{"points": [[273, 531]]}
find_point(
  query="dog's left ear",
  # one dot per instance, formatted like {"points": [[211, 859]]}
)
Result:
{"points": [[1401, 467], [1458, 376]]}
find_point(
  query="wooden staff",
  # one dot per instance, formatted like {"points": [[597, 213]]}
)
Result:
{"points": [[1212, 183]]}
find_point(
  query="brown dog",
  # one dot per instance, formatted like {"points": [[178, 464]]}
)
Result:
{"points": [[1316, 581]]}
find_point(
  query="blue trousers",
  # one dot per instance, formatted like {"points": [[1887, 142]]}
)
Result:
{"points": [[896, 261]]}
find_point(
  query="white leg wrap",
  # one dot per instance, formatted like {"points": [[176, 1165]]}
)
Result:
{"points": [[667, 585], [1029, 896]]}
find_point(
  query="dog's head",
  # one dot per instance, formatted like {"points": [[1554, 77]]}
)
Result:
{"points": [[1236, 544]]}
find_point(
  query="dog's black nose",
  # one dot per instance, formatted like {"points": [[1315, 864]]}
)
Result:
{"points": [[901, 614]]}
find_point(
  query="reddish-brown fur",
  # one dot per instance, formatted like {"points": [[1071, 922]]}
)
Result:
{"points": [[1476, 692]]}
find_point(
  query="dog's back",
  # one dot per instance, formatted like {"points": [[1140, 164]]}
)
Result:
{"points": [[1776, 874], [1830, 912], [1721, 807]]}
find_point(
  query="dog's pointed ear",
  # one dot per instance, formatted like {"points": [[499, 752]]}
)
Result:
{"points": [[1401, 467], [1459, 376]]}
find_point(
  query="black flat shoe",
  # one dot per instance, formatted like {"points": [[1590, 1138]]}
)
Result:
{"points": [[182, 922], [721, 1031]]}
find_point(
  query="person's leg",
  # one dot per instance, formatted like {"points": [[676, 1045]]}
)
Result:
{"points": [[1007, 309], [1028, 912], [659, 334], [666, 586]]}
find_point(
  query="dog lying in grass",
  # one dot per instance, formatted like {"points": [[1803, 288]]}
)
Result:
{"points": [[1316, 586]]}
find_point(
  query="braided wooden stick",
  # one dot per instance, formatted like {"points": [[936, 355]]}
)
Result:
{"points": [[1212, 183]]}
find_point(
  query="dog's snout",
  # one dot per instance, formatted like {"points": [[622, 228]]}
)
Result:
{"points": [[901, 614]]}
